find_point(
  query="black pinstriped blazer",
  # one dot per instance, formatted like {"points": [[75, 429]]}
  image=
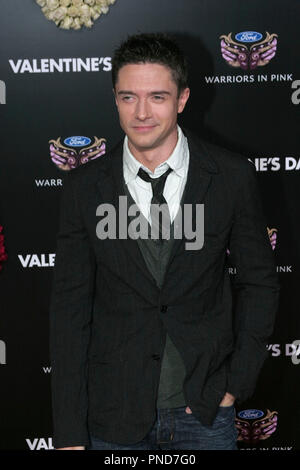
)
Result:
{"points": [[108, 319]]}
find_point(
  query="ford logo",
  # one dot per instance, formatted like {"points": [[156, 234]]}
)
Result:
{"points": [[250, 414], [77, 141], [248, 36]]}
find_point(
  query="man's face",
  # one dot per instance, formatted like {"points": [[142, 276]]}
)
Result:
{"points": [[148, 103]]}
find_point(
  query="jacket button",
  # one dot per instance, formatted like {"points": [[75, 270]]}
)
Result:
{"points": [[156, 357], [163, 308]]}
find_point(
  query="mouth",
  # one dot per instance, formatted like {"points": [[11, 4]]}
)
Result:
{"points": [[143, 129]]}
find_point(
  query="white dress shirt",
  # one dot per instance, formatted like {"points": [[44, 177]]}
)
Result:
{"points": [[141, 191]]}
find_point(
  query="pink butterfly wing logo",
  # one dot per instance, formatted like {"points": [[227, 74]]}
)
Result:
{"points": [[257, 55], [236, 55], [263, 52], [272, 232], [66, 158], [257, 430]]}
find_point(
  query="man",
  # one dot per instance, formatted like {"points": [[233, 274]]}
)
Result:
{"points": [[147, 349]]}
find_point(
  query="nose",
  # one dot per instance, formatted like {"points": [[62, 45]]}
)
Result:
{"points": [[143, 110]]}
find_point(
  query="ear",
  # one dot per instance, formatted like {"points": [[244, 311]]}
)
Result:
{"points": [[183, 97]]}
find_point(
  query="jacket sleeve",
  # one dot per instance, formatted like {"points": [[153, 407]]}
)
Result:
{"points": [[255, 284], [70, 319]]}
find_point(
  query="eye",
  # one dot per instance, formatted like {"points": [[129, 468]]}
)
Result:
{"points": [[127, 98], [158, 97]]}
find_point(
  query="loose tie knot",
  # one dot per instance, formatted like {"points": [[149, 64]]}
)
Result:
{"points": [[157, 184], [159, 211]]}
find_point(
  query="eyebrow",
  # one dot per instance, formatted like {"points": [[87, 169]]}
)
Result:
{"points": [[159, 92]]}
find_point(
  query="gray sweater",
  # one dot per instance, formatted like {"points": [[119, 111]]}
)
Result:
{"points": [[156, 256]]}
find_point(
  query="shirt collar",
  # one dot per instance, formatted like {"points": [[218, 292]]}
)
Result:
{"points": [[177, 160]]}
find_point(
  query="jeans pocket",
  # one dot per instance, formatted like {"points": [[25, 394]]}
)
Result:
{"points": [[225, 415]]}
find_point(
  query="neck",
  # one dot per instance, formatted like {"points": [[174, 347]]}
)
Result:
{"points": [[153, 157]]}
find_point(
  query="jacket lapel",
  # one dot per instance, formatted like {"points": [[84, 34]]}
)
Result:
{"points": [[201, 169]]}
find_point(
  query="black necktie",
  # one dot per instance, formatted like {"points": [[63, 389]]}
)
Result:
{"points": [[160, 216]]}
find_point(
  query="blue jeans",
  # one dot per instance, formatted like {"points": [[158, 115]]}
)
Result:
{"points": [[174, 429]]}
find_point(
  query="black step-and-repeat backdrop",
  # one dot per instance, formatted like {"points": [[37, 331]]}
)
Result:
{"points": [[57, 112]]}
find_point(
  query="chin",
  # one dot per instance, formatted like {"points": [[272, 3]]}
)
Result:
{"points": [[145, 142]]}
